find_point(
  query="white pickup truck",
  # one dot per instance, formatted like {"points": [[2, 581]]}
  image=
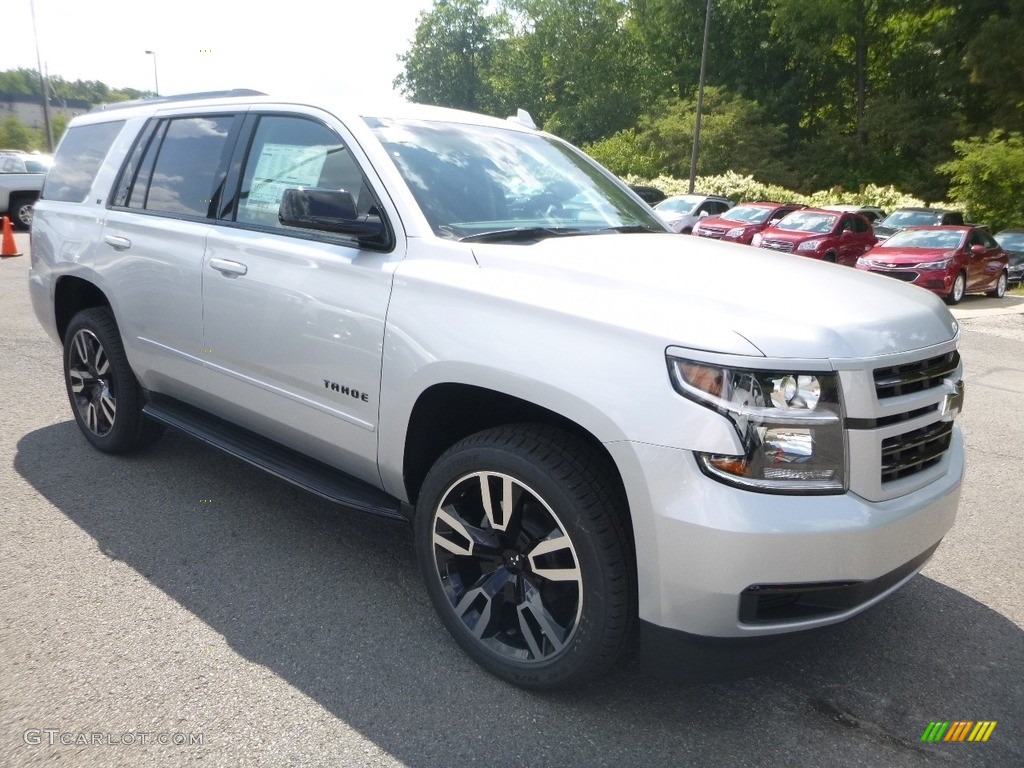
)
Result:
{"points": [[21, 179]]}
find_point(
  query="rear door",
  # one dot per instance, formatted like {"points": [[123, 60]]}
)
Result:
{"points": [[154, 240], [294, 318]]}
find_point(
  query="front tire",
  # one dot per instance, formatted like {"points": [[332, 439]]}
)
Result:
{"points": [[104, 393], [523, 540], [956, 293], [1000, 290]]}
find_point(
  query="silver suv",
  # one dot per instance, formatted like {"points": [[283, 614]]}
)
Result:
{"points": [[682, 212], [466, 323]]}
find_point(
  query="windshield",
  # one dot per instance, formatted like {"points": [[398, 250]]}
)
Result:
{"points": [[911, 218], [925, 238], [680, 204], [1011, 241], [748, 214], [802, 221], [474, 181]]}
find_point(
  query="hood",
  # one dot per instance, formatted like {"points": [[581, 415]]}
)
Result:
{"points": [[909, 255], [722, 297], [792, 235]]}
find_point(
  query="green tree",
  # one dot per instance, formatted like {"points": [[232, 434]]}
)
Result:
{"points": [[988, 178], [736, 135], [996, 65], [14, 134], [627, 153], [586, 70], [448, 60]]}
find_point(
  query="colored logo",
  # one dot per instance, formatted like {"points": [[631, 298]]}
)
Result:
{"points": [[958, 730]]}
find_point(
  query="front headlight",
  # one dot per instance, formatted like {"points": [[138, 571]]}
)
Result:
{"points": [[942, 264], [736, 232], [809, 245], [789, 424]]}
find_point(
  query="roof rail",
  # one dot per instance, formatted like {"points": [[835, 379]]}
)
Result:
{"points": [[179, 97]]}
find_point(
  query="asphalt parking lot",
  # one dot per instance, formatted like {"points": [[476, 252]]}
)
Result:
{"points": [[179, 608]]}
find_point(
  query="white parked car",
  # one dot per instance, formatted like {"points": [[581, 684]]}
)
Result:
{"points": [[682, 212]]}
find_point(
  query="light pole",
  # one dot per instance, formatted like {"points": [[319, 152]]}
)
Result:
{"points": [[700, 97], [156, 80], [43, 85]]}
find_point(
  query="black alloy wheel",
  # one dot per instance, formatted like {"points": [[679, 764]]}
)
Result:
{"points": [[524, 545], [104, 394]]}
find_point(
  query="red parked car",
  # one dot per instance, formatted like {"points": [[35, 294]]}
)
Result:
{"points": [[948, 260], [827, 235], [740, 224]]}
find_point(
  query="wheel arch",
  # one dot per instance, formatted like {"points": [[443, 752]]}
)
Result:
{"points": [[446, 413], [72, 295]]}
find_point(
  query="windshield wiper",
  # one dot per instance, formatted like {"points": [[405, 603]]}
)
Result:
{"points": [[519, 234], [632, 229], [522, 234]]}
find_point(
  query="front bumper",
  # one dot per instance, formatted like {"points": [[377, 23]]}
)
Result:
{"points": [[701, 544], [938, 281]]}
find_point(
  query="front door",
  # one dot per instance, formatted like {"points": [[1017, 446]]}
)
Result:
{"points": [[294, 318]]}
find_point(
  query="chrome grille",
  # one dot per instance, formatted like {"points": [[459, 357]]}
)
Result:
{"points": [[778, 245], [914, 377], [916, 451], [712, 232]]}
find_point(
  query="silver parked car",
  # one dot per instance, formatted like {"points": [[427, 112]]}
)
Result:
{"points": [[466, 324], [682, 212]]}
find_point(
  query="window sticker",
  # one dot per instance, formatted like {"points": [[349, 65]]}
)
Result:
{"points": [[281, 167]]}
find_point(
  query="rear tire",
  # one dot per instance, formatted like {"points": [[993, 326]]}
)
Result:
{"points": [[104, 393], [21, 212], [1000, 290], [523, 540]]}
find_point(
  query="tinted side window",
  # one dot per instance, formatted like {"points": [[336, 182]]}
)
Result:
{"points": [[78, 160], [978, 237], [189, 165], [288, 152]]}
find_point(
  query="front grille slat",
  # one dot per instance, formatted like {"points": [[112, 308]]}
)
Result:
{"points": [[919, 449], [777, 245], [915, 377], [915, 451]]}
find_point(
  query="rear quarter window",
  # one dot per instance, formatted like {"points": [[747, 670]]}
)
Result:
{"points": [[78, 160]]}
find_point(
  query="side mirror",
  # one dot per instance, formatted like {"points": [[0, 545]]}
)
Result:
{"points": [[329, 210], [978, 249], [703, 215]]}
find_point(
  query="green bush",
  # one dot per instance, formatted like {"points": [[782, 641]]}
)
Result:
{"points": [[747, 189]]}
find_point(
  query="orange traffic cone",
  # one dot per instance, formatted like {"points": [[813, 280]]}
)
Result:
{"points": [[10, 248]]}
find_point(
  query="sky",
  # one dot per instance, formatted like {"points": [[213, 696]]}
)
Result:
{"points": [[302, 48]]}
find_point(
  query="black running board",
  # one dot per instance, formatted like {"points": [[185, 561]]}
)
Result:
{"points": [[291, 466]]}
